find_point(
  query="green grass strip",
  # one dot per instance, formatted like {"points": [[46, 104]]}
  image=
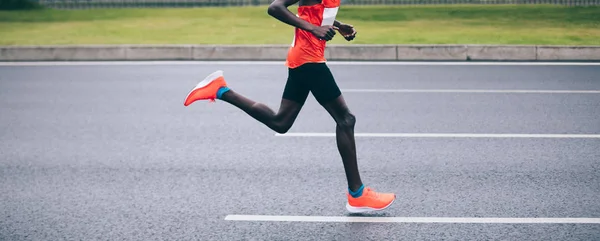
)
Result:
{"points": [[449, 24]]}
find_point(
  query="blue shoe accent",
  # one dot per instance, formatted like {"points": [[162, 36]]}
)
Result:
{"points": [[358, 192], [221, 91]]}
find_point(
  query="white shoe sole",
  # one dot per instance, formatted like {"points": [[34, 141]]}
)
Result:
{"points": [[365, 209]]}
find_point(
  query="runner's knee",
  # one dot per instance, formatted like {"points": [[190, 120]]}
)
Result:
{"points": [[347, 121], [281, 127]]}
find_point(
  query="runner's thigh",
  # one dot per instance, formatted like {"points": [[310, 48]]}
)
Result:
{"points": [[323, 85], [297, 87]]}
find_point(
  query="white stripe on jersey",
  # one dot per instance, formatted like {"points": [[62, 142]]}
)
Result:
{"points": [[329, 15]]}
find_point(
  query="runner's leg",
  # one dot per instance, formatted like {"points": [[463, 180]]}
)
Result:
{"points": [[327, 93], [294, 96], [279, 122], [330, 97], [344, 134]]}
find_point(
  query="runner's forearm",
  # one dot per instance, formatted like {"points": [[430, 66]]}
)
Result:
{"points": [[278, 9]]}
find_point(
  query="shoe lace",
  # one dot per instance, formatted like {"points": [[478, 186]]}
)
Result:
{"points": [[373, 194]]}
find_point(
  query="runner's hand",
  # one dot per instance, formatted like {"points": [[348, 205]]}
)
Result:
{"points": [[324, 32], [347, 31]]}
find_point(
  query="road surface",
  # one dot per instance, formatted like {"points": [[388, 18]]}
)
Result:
{"points": [[108, 151]]}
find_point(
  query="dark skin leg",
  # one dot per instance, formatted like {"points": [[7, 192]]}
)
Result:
{"points": [[279, 122], [344, 133], [283, 120]]}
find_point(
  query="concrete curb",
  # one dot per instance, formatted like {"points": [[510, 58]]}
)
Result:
{"points": [[279, 52]]}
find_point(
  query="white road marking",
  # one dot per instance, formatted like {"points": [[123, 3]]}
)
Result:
{"points": [[470, 91], [389, 63], [410, 219], [443, 135]]}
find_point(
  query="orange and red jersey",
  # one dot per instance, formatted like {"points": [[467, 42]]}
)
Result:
{"points": [[307, 48]]}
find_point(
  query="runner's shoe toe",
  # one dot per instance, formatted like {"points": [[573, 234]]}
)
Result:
{"points": [[207, 89]]}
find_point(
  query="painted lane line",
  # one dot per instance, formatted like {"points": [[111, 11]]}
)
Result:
{"points": [[410, 219], [442, 135], [470, 91], [363, 63]]}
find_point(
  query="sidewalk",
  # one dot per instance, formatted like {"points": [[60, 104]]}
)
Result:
{"points": [[279, 52]]}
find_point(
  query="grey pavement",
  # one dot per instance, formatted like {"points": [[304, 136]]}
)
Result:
{"points": [[110, 152]]}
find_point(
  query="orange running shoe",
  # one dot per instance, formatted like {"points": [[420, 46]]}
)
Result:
{"points": [[369, 201], [207, 88]]}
